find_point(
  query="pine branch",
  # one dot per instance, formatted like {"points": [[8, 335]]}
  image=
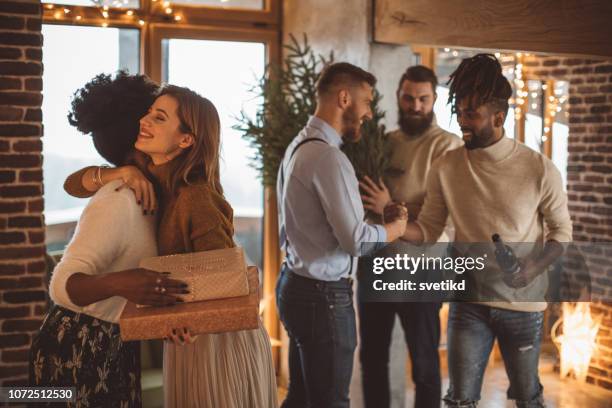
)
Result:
{"points": [[288, 92]]}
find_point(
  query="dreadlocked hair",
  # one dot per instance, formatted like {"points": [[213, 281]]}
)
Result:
{"points": [[479, 79]]}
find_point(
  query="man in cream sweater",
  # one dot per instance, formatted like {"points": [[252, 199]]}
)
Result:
{"points": [[494, 185], [413, 148]]}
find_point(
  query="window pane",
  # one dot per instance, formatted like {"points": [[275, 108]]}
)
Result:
{"points": [[560, 131], [100, 3], [71, 57], [533, 120], [229, 71], [230, 4]]}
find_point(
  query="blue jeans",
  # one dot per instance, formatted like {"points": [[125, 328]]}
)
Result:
{"points": [[320, 320], [472, 329]]}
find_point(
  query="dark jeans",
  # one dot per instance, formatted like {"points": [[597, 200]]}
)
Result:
{"points": [[472, 329], [421, 324], [320, 320]]}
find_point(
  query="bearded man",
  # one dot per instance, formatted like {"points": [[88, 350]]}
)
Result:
{"points": [[413, 149]]}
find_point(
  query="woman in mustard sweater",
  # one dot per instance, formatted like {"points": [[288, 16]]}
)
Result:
{"points": [[180, 136]]}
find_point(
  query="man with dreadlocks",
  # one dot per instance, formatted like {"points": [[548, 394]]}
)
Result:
{"points": [[494, 184]]}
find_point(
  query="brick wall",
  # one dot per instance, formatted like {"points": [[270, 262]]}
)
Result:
{"points": [[22, 236], [589, 176]]}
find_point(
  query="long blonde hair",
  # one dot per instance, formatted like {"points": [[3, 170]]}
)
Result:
{"points": [[200, 118]]}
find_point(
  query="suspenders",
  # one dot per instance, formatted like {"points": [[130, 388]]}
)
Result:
{"points": [[303, 142], [282, 179]]}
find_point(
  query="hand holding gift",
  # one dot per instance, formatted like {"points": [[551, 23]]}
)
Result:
{"points": [[180, 337], [223, 297], [147, 287]]}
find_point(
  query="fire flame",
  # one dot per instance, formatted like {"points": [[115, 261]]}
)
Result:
{"points": [[577, 343]]}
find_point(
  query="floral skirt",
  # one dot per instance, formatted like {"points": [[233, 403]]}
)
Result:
{"points": [[76, 350]]}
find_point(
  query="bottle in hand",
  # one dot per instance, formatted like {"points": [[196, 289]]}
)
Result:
{"points": [[506, 259]]}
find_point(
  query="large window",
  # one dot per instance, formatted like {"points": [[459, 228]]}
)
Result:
{"points": [[218, 48], [224, 71], [72, 56]]}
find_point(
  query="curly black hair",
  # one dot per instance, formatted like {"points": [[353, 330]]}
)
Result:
{"points": [[480, 79], [110, 109]]}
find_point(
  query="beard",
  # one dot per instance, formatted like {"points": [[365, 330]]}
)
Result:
{"points": [[413, 123], [479, 139], [351, 125]]}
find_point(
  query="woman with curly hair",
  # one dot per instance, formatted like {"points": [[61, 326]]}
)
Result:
{"points": [[180, 138], [79, 344]]}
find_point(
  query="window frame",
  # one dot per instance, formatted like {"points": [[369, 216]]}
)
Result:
{"points": [[159, 32]]}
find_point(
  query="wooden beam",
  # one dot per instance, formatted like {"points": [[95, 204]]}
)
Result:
{"points": [[271, 268], [580, 27]]}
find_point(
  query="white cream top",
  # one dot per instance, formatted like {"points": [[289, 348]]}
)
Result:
{"points": [[111, 235]]}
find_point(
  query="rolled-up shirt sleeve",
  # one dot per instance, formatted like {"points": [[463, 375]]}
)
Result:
{"points": [[97, 241], [553, 205], [434, 213], [338, 190]]}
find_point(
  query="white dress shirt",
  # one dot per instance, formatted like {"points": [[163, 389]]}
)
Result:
{"points": [[321, 216]]}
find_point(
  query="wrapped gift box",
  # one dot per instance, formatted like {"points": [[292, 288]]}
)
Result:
{"points": [[208, 316], [216, 274]]}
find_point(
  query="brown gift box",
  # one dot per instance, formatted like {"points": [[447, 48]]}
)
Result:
{"points": [[215, 274], [208, 316]]}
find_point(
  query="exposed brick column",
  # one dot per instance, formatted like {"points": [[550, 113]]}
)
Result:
{"points": [[589, 177], [22, 234]]}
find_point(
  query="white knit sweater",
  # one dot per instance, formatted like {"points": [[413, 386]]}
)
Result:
{"points": [[505, 188], [111, 235]]}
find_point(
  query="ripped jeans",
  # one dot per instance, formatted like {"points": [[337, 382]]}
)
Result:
{"points": [[472, 330]]}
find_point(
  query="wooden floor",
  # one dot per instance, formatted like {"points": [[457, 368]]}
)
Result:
{"points": [[557, 393]]}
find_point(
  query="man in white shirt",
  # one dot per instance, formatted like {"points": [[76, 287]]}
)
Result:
{"points": [[322, 230]]}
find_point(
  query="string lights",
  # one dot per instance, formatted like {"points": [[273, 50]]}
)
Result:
{"points": [[114, 11], [520, 87]]}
